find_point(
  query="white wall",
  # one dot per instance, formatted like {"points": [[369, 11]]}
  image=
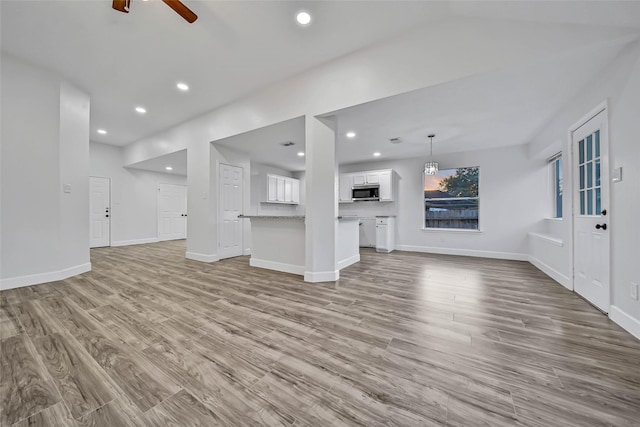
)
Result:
{"points": [[619, 84], [45, 137], [134, 195], [511, 188]]}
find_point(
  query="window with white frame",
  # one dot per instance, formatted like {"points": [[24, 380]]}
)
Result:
{"points": [[555, 164], [452, 199]]}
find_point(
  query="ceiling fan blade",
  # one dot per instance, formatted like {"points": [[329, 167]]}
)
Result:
{"points": [[121, 5], [181, 9]]}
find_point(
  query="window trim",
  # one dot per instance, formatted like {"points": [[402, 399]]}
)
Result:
{"points": [[553, 166]]}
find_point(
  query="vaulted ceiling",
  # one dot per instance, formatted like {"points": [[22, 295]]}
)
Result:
{"points": [[238, 47]]}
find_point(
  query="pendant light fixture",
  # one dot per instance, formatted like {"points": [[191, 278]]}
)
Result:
{"points": [[431, 167]]}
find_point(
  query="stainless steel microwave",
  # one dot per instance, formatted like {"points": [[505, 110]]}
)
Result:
{"points": [[365, 192]]}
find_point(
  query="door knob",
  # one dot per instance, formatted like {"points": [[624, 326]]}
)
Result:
{"points": [[107, 216], [603, 226]]}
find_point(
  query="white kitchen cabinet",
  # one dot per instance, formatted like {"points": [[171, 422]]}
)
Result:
{"points": [[385, 234], [385, 178], [345, 185], [288, 190], [386, 186], [372, 178], [295, 197], [282, 189], [367, 233], [272, 185]]}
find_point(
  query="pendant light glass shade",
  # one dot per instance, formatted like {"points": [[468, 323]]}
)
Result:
{"points": [[431, 167]]}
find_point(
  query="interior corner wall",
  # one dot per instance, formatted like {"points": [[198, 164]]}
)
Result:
{"points": [[134, 195], [619, 84], [511, 188], [44, 120]]}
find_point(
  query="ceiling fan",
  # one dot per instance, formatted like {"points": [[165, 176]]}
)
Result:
{"points": [[177, 5]]}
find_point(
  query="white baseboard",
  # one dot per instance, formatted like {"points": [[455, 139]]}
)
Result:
{"points": [[277, 266], [348, 261], [246, 252], [321, 276], [463, 252], [36, 279], [202, 257], [625, 321], [134, 242], [551, 272]]}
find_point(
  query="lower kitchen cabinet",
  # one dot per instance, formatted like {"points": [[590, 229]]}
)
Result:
{"points": [[385, 234]]}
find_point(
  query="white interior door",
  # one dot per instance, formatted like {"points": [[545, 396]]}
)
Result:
{"points": [[230, 230], [172, 212], [590, 153], [99, 212]]}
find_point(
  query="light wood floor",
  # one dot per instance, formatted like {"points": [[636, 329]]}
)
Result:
{"points": [[151, 339]]}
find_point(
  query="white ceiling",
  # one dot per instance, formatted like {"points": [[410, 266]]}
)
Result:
{"points": [[496, 109], [237, 47], [265, 145], [177, 161]]}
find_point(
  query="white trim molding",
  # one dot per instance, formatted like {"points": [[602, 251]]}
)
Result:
{"points": [[625, 321], [348, 261], [463, 252], [321, 276], [36, 279], [202, 257], [547, 238], [551, 272], [135, 242], [277, 266]]}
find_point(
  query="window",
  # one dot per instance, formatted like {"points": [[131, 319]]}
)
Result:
{"points": [[451, 199], [555, 163]]}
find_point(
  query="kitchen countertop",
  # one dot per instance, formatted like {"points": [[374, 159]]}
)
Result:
{"points": [[345, 217], [273, 216]]}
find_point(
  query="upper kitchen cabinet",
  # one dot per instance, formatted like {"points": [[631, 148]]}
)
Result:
{"points": [[345, 184], [383, 179], [281, 189]]}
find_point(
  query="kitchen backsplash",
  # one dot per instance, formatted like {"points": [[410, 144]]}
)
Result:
{"points": [[369, 208]]}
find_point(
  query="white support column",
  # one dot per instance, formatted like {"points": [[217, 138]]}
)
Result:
{"points": [[202, 202], [321, 225]]}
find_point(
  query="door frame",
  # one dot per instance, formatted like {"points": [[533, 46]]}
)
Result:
{"points": [[602, 107], [110, 208], [158, 208], [219, 208]]}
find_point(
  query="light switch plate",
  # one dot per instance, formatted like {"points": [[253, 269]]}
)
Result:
{"points": [[634, 291], [66, 188], [617, 174]]}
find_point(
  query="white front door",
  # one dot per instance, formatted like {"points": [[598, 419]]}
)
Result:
{"points": [[230, 230], [172, 212], [590, 153], [99, 212]]}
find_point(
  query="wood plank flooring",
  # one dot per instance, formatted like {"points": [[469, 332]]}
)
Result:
{"points": [[151, 339]]}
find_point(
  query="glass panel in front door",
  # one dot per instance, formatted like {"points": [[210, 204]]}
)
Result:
{"points": [[589, 175]]}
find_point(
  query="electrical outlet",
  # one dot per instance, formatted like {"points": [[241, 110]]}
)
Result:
{"points": [[634, 291]]}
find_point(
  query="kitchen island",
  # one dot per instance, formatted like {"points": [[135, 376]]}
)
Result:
{"points": [[278, 242]]}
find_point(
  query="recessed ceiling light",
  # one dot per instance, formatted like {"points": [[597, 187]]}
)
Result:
{"points": [[376, 154], [102, 131], [169, 168], [351, 134], [303, 18], [301, 154], [182, 86], [141, 110]]}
